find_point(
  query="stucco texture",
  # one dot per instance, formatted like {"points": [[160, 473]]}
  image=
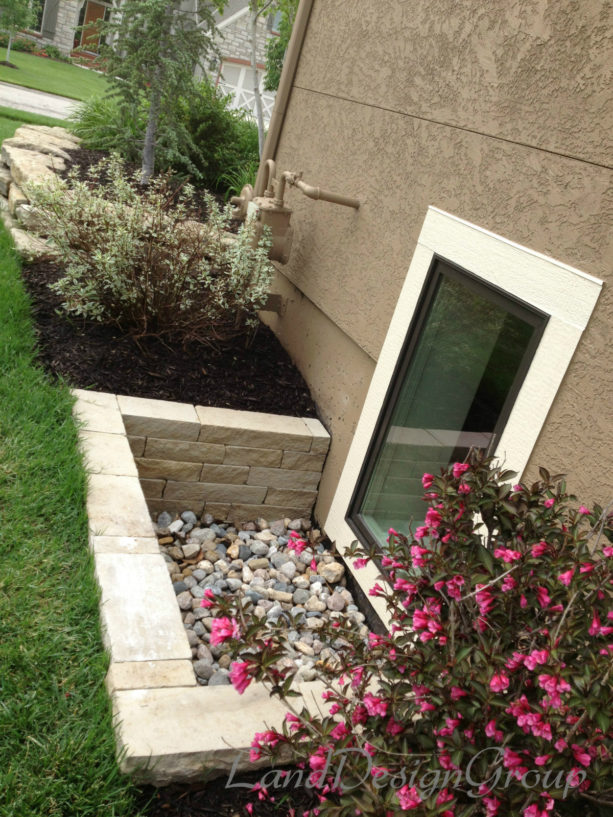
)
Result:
{"points": [[498, 113]]}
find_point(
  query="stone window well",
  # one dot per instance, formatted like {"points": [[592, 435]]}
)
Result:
{"points": [[543, 301]]}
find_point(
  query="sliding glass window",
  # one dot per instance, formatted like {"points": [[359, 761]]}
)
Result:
{"points": [[463, 363]]}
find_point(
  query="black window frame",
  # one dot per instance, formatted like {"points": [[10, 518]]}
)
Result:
{"points": [[495, 294]]}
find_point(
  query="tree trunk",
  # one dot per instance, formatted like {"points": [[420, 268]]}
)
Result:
{"points": [[8, 48], [256, 79], [148, 162]]}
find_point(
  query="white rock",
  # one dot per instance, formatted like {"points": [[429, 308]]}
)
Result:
{"points": [[332, 572]]}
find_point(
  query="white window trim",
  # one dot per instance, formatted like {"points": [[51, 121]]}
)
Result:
{"points": [[564, 293]]}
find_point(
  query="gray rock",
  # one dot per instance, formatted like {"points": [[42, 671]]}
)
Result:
{"points": [[336, 602], [175, 526], [244, 552], [292, 636], [245, 535], [197, 591], [179, 587], [219, 679], [203, 669], [279, 559], [218, 530], [202, 535], [201, 612], [221, 549], [189, 517], [274, 612], [288, 569], [295, 524], [297, 612], [208, 519], [225, 661], [282, 540], [164, 519], [189, 582], [199, 629], [190, 550], [234, 584], [277, 528], [204, 654], [193, 639], [199, 574], [301, 596], [282, 586], [259, 548], [184, 600]]}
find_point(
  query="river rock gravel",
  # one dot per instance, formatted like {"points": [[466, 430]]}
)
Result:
{"points": [[303, 589]]}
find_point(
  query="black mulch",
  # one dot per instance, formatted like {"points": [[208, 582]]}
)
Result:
{"points": [[226, 797], [260, 377], [89, 355]]}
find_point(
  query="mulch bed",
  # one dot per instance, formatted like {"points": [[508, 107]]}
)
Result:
{"points": [[259, 377]]}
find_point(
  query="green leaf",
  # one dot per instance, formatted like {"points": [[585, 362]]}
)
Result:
{"points": [[486, 558]]}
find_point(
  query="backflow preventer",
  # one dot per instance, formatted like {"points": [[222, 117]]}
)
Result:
{"points": [[270, 211]]}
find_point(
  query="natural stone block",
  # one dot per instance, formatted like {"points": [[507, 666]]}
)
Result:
{"points": [[16, 196], [235, 474], [98, 411], [149, 675], [299, 461], [252, 429], [123, 544], [107, 453], [236, 455], [243, 512], [174, 506], [184, 451], [218, 510], [213, 492], [28, 246], [153, 488], [284, 478], [52, 132], [137, 445], [320, 437], [157, 741], [297, 499], [31, 218], [140, 619], [116, 507], [168, 469], [28, 167], [163, 419], [5, 181], [39, 142]]}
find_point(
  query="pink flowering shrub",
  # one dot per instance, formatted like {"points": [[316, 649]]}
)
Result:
{"points": [[492, 691]]}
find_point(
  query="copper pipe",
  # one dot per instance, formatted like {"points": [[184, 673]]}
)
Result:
{"points": [[290, 63]]}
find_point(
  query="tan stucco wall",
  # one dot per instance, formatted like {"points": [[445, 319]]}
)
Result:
{"points": [[499, 113]]}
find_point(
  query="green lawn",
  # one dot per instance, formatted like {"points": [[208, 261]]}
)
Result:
{"points": [[56, 741], [11, 119], [52, 76]]}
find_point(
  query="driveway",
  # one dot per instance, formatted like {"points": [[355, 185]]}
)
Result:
{"points": [[26, 99]]}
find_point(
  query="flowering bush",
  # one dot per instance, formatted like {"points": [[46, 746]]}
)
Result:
{"points": [[134, 257], [491, 691]]}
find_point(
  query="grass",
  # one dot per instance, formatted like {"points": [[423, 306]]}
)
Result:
{"points": [[56, 739], [11, 119], [52, 76]]}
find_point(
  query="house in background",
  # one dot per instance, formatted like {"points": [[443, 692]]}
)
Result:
{"points": [[60, 23], [468, 300]]}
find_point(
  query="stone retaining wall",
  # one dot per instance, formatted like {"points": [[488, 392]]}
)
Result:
{"points": [[235, 465]]}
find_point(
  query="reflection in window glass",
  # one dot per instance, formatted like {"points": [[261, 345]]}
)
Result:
{"points": [[456, 389]]}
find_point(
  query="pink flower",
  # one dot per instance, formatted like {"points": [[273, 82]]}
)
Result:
{"points": [[417, 554], [508, 583], [542, 596], [492, 804], [463, 488], [538, 549], [492, 732], [584, 510], [499, 682], [586, 567], [360, 563], [536, 657], [507, 555], [459, 468], [339, 732], [393, 727], [408, 798], [239, 676], [375, 706], [209, 599], [542, 760], [223, 629], [580, 755], [608, 551], [427, 480], [457, 693], [549, 503], [566, 577]]}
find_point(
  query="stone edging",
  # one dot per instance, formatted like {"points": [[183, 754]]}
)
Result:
{"points": [[168, 728]]}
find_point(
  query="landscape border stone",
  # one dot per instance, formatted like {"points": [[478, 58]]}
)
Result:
{"points": [[168, 728]]}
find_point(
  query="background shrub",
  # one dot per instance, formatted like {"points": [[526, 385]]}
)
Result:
{"points": [[200, 138], [135, 258]]}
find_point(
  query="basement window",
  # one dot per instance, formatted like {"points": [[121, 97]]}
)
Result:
{"points": [[462, 364]]}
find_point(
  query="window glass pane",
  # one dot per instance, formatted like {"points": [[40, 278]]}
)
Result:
{"points": [[460, 376]]}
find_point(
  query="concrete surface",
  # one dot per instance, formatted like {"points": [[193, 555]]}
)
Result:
{"points": [[27, 99]]}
